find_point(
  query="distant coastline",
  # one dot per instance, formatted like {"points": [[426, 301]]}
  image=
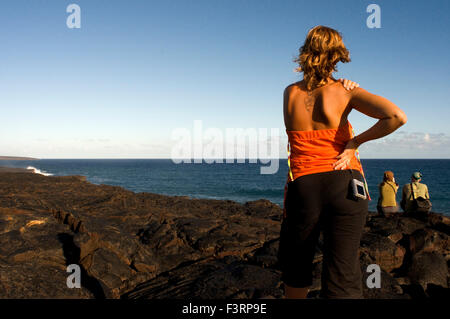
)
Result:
{"points": [[17, 158], [14, 170], [4, 169]]}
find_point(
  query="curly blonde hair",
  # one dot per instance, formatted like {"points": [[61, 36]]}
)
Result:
{"points": [[322, 50]]}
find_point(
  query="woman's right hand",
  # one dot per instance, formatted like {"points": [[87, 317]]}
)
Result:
{"points": [[344, 159]]}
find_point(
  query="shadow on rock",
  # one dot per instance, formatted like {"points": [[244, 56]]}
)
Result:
{"points": [[72, 255]]}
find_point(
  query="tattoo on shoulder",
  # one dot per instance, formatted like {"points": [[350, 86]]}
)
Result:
{"points": [[309, 100]]}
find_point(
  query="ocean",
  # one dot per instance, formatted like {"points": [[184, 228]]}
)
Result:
{"points": [[240, 182]]}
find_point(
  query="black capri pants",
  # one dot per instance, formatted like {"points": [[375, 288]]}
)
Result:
{"points": [[323, 202]]}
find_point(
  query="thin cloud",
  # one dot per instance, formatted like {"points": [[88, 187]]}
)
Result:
{"points": [[408, 145]]}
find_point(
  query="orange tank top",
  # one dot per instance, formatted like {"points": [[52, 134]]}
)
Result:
{"points": [[311, 152]]}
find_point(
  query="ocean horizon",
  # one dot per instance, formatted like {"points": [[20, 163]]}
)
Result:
{"points": [[239, 182]]}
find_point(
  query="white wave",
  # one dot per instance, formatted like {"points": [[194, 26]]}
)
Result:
{"points": [[38, 171]]}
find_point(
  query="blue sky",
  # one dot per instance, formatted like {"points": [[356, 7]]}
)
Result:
{"points": [[136, 70]]}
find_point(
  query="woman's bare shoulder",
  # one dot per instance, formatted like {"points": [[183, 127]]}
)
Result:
{"points": [[338, 88], [293, 86]]}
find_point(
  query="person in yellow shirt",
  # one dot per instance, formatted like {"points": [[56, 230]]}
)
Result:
{"points": [[387, 204], [419, 189]]}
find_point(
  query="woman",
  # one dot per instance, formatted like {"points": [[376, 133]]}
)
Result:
{"points": [[387, 204], [324, 169]]}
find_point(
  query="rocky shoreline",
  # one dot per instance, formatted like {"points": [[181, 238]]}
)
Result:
{"points": [[143, 245]]}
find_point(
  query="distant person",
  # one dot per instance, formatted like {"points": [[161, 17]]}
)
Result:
{"points": [[387, 204], [325, 188], [415, 196]]}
